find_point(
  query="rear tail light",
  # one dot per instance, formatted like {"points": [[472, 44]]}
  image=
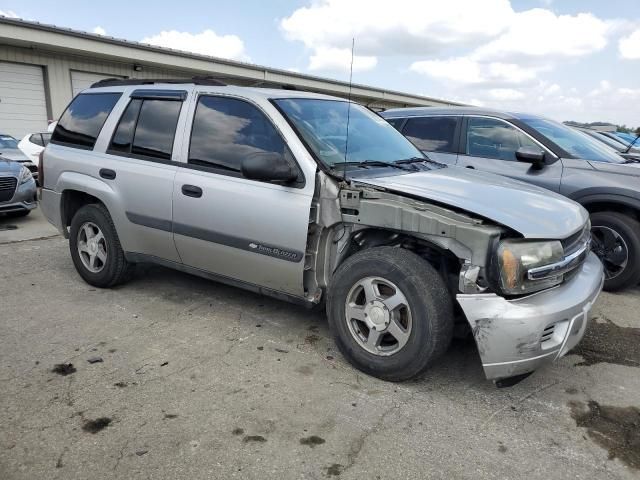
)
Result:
{"points": [[41, 169]]}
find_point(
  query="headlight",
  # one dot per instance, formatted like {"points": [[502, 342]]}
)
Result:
{"points": [[25, 175], [516, 257]]}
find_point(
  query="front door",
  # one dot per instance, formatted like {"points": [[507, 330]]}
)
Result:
{"points": [[490, 144], [246, 230]]}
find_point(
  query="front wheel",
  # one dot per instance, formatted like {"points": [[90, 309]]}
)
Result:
{"points": [[615, 239], [390, 313]]}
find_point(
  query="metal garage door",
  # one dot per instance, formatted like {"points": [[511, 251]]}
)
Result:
{"points": [[83, 80], [23, 105]]}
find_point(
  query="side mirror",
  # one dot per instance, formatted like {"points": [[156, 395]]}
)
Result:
{"points": [[531, 155], [268, 167]]}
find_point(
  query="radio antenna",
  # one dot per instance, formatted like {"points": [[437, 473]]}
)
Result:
{"points": [[346, 143]]}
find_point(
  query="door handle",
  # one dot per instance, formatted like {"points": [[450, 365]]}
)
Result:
{"points": [[108, 173], [471, 167], [191, 191]]}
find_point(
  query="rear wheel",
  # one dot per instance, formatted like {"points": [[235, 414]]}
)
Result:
{"points": [[390, 313], [95, 247], [616, 241]]}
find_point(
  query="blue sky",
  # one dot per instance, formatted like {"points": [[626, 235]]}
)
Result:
{"points": [[567, 59]]}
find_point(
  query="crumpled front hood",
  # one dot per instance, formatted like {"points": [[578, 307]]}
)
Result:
{"points": [[13, 154], [532, 211]]}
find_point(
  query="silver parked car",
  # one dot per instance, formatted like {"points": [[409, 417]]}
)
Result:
{"points": [[9, 150], [269, 191], [17, 189], [545, 153]]}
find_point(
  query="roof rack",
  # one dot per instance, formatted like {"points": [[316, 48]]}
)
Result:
{"points": [[116, 82]]}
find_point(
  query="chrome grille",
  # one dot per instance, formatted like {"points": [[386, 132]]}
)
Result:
{"points": [[7, 188]]}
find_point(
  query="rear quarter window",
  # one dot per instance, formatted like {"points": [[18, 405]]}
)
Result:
{"points": [[83, 119]]}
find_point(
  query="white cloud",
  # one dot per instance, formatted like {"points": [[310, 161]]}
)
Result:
{"points": [[417, 26], [405, 27], [99, 31], [206, 42], [629, 47], [507, 94], [467, 71], [9, 14], [540, 34], [339, 60]]}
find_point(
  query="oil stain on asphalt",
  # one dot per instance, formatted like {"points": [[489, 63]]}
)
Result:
{"points": [[607, 342], [94, 426], [64, 369], [312, 441], [616, 429]]}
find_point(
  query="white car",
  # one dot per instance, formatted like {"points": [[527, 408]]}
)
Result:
{"points": [[33, 143]]}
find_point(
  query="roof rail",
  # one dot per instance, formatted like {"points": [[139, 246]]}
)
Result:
{"points": [[115, 82]]}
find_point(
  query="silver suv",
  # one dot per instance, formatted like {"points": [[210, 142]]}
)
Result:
{"points": [[317, 200]]}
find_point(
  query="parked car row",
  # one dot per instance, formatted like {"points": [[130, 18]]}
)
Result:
{"points": [[319, 201], [546, 153]]}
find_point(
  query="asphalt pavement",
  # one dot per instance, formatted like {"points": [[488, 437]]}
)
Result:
{"points": [[172, 376]]}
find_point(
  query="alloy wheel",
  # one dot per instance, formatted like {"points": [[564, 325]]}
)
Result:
{"points": [[612, 250], [92, 247], [378, 316]]}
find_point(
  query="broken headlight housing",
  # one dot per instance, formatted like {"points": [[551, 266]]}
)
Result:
{"points": [[25, 175], [517, 257]]}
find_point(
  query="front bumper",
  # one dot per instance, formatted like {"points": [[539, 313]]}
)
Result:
{"points": [[24, 198], [515, 337]]}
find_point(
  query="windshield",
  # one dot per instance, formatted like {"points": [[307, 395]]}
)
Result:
{"points": [[616, 145], [577, 144], [7, 141], [322, 124]]}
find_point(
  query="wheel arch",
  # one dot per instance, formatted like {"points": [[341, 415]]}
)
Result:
{"points": [[78, 190], [600, 202]]}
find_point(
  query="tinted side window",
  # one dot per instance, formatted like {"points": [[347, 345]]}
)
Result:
{"points": [[123, 138], [491, 138], [147, 128], [36, 138], [81, 123], [433, 134], [396, 122], [226, 131]]}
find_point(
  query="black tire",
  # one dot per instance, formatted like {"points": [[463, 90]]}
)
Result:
{"points": [[428, 300], [21, 213], [116, 269], [628, 229]]}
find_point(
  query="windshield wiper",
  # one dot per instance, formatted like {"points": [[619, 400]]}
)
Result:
{"points": [[371, 163], [418, 160], [632, 144]]}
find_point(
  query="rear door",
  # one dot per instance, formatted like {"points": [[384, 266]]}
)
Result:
{"points": [[250, 231], [437, 137], [490, 144], [140, 169]]}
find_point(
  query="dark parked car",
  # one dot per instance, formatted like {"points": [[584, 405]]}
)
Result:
{"points": [[546, 153], [17, 189]]}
